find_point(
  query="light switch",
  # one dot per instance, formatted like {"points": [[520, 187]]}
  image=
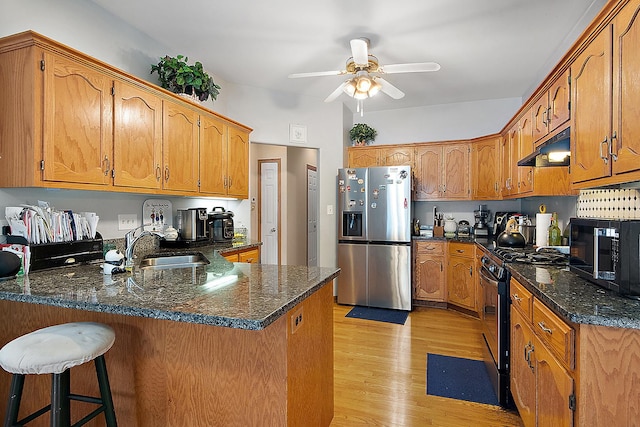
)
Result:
{"points": [[329, 209]]}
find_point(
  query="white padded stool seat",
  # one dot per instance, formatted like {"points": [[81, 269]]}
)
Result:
{"points": [[57, 348]]}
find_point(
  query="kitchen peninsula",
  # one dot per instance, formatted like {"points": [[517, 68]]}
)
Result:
{"points": [[221, 344]]}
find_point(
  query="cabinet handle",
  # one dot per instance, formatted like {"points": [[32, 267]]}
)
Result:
{"points": [[516, 298], [470, 271], [460, 251], [441, 267], [107, 165], [604, 156], [544, 328], [613, 155], [549, 116], [545, 118], [249, 260], [158, 172], [530, 176], [166, 173], [230, 182], [225, 182]]}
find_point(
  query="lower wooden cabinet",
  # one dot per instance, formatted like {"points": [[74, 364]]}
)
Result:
{"points": [[541, 384], [461, 284], [251, 256], [429, 271]]}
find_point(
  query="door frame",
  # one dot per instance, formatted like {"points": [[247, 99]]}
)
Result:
{"points": [[279, 201], [315, 169]]}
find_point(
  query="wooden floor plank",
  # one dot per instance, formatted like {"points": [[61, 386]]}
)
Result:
{"points": [[380, 371]]}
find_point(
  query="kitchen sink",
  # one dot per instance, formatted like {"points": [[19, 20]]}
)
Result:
{"points": [[173, 261]]}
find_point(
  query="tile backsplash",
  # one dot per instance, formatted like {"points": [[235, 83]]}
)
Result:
{"points": [[609, 204]]}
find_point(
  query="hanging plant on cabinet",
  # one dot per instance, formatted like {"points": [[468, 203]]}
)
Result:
{"points": [[179, 77], [362, 134]]}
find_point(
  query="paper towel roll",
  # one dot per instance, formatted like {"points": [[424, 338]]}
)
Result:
{"points": [[543, 221]]}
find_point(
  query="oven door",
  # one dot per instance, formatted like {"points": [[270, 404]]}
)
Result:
{"points": [[490, 321]]}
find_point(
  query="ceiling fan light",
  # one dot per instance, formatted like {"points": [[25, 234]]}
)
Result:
{"points": [[374, 89], [360, 95], [350, 88], [363, 84]]}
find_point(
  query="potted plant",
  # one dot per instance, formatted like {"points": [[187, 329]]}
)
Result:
{"points": [[362, 134], [179, 77]]}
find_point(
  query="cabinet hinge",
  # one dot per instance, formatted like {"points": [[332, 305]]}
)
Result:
{"points": [[42, 65], [572, 402], [113, 173], [113, 90], [41, 165], [569, 105], [198, 183], [198, 121]]}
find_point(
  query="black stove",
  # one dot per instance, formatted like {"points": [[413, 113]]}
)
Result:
{"points": [[543, 256]]}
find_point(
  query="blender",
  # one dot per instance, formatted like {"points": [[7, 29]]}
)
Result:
{"points": [[481, 227]]}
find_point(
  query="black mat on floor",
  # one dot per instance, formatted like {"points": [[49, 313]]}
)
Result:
{"points": [[459, 378], [379, 314]]}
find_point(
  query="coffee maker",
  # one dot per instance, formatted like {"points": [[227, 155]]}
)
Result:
{"points": [[481, 227], [192, 223]]}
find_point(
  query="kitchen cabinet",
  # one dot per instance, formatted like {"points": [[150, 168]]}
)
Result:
{"points": [[605, 94], [442, 171], [250, 255], [542, 356], [85, 125], [397, 155], [486, 168], [525, 147], [429, 273], [552, 108], [77, 121], [389, 155], [137, 137], [509, 152], [224, 158], [461, 284], [180, 136], [363, 157]]}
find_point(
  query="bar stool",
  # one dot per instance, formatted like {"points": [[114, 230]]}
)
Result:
{"points": [[54, 350]]}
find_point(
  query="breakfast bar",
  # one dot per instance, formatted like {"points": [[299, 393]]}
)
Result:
{"points": [[216, 344]]}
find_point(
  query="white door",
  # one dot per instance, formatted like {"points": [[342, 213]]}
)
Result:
{"points": [[312, 216], [269, 211]]}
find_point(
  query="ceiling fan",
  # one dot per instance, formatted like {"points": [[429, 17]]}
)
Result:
{"points": [[366, 68]]}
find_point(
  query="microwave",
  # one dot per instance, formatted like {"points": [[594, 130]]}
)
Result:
{"points": [[607, 253]]}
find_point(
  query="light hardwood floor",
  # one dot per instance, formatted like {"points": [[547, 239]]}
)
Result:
{"points": [[380, 371]]}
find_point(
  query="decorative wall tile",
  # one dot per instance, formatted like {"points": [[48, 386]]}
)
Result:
{"points": [[609, 204]]}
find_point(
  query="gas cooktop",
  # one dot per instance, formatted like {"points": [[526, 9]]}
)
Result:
{"points": [[544, 256]]}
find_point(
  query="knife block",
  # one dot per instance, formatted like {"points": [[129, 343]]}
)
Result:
{"points": [[438, 231]]}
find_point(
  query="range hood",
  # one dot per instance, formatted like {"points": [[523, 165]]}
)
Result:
{"points": [[555, 151]]}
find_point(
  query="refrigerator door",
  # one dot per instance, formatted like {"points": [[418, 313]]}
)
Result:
{"points": [[352, 204], [390, 276], [352, 282], [389, 204]]}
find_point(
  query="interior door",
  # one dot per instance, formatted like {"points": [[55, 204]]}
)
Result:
{"points": [[270, 210], [312, 216]]}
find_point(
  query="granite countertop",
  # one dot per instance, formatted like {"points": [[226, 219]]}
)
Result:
{"points": [[236, 295]]}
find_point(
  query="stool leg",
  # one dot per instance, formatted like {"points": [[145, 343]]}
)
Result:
{"points": [[105, 391], [15, 395], [60, 406]]}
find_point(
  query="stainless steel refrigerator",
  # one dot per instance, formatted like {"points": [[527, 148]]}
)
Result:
{"points": [[374, 237]]}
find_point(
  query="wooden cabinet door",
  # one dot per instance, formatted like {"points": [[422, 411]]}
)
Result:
{"points": [[78, 114], [509, 155], [180, 147], [428, 171], [591, 117], [213, 155], [525, 147], [523, 379], [461, 289], [363, 157], [251, 256], [455, 159], [626, 90], [539, 112], [238, 163], [554, 386], [397, 156], [559, 110], [485, 169], [137, 137], [429, 277]]}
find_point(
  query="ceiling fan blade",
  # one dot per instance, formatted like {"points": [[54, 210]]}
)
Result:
{"points": [[389, 89], [317, 74], [416, 67], [336, 93], [360, 51]]}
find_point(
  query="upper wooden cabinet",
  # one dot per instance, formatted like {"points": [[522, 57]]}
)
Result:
{"points": [[400, 155], [605, 135], [390, 155], [442, 171], [71, 121], [485, 168], [363, 157], [552, 108], [524, 147]]}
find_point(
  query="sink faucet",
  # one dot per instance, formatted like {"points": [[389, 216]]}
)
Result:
{"points": [[130, 240]]}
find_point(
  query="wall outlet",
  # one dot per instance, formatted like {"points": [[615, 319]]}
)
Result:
{"points": [[296, 320], [127, 221]]}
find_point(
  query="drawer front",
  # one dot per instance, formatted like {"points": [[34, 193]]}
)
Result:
{"points": [[558, 336], [465, 250], [252, 256], [430, 248], [521, 299]]}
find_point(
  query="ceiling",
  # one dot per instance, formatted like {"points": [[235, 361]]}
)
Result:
{"points": [[488, 49]]}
